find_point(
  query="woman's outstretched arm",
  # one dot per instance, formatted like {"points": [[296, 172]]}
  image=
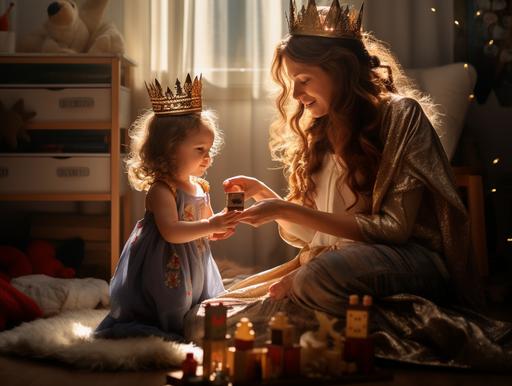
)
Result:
{"points": [[341, 225], [393, 224]]}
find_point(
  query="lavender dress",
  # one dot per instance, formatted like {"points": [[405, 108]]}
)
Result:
{"points": [[157, 282]]}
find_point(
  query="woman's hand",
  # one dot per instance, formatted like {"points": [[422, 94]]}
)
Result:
{"points": [[251, 187], [224, 221], [263, 212]]}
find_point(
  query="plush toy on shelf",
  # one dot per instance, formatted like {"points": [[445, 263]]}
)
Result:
{"points": [[71, 28]]}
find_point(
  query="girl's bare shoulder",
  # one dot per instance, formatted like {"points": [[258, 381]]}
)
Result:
{"points": [[158, 192]]}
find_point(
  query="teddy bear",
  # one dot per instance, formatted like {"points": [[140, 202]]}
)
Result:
{"points": [[13, 124], [71, 28], [39, 258]]}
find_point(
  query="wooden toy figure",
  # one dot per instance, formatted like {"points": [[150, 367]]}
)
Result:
{"points": [[214, 342], [244, 335], [283, 354], [235, 200], [358, 344], [189, 368], [243, 366]]}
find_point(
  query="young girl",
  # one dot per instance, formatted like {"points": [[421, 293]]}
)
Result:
{"points": [[166, 266], [371, 201]]}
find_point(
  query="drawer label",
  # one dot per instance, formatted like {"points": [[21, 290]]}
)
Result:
{"points": [[76, 102], [73, 171]]}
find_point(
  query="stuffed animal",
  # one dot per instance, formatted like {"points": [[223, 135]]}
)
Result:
{"points": [[15, 306], [42, 256], [75, 29], [13, 123], [13, 263]]}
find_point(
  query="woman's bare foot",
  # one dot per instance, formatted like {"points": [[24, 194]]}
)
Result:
{"points": [[280, 289]]}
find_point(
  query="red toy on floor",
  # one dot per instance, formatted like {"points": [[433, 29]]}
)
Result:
{"points": [[15, 306]]}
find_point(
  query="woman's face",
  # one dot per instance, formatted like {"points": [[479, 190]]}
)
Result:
{"points": [[312, 86]]}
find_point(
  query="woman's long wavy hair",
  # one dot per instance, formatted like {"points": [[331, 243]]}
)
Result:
{"points": [[351, 130], [154, 142]]}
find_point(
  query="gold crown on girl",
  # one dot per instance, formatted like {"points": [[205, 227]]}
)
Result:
{"points": [[185, 100], [340, 22]]}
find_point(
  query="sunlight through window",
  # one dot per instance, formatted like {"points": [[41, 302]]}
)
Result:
{"points": [[160, 28]]}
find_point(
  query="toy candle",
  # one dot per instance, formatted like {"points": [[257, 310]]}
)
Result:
{"points": [[240, 358], [244, 335]]}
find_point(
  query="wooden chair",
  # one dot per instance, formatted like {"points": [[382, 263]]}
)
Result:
{"points": [[471, 183]]}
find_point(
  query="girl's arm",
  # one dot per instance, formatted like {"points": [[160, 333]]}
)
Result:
{"points": [[207, 213], [163, 205]]}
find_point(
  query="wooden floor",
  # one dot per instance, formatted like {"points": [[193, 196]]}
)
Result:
{"points": [[23, 372], [16, 372]]}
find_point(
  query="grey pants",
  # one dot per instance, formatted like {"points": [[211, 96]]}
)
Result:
{"points": [[379, 270]]}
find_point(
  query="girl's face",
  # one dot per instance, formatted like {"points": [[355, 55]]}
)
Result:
{"points": [[194, 152], [311, 86]]}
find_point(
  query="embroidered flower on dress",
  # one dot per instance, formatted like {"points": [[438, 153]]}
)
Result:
{"points": [[172, 271], [173, 279], [174, 262], [189, 213]]}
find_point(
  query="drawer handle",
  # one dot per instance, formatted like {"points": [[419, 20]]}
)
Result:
{"points": [[4, 172], [76, 103], [73, 171]]}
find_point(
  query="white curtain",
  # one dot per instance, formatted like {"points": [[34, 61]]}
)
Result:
{"points": [[231, 42]]}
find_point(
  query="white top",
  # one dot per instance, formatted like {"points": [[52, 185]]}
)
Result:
{"points": [[332, 200]]}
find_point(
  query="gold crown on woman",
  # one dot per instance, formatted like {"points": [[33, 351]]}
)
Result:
{"points": [[185, 100], [339, 22]]}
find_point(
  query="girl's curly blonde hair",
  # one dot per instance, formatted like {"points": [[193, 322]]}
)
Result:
{"points": [[154, 141]]}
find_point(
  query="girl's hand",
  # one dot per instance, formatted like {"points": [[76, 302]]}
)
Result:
{"points": [[224, 221], [249, 185], [222, 236], [263, 212]]}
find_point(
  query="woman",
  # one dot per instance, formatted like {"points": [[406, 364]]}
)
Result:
{"points": [[371, 197]]}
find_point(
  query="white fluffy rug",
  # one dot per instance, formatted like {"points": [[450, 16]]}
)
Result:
{"points": [[67, 338]]}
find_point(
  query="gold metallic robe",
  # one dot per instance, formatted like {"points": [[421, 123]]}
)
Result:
{"points": [[412, 156], [413, 152]]}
